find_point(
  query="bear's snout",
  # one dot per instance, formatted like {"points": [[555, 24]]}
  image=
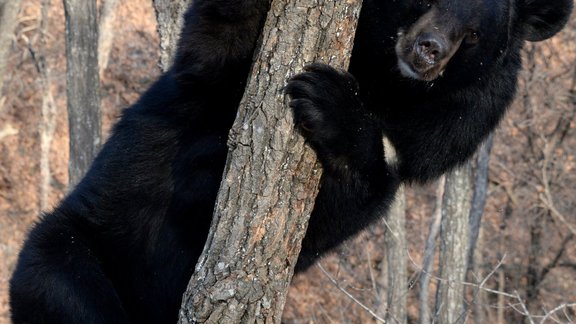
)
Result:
{"points": [[424, 55], [430, 48]]}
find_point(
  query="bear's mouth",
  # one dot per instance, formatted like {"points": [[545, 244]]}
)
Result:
{"points": [[408, 70]]}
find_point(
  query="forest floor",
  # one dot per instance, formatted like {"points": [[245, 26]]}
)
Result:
{"points": [[358, 266]]}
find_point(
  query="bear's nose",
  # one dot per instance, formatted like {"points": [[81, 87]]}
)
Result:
{"points": [[430, 48]]}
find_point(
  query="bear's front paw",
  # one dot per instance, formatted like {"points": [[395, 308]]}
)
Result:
{"points": [[328, 112], [324, 101]]}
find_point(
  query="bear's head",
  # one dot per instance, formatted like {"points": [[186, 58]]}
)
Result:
{"points": [[458, 35]]}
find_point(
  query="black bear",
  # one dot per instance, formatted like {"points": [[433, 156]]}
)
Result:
{"points": [[435, 77]]}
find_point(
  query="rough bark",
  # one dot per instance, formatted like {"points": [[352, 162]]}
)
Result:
{"points": [[271, 177], [8, 19], [83, 84], [454, 246], [169, 15]]}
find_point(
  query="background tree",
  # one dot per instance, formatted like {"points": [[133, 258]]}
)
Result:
{"points": [[169, 15], [83, 88], [106, 32], [47, 124], [394, 275], [8, 19], [454, 232]]}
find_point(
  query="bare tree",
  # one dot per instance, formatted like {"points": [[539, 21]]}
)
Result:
{"points": [[396, 253], [271, 177], [106, 32], [83, 85], [169, 15], [454, 246], [429, 253], [8, 19], [47, 125], [480, 191]]}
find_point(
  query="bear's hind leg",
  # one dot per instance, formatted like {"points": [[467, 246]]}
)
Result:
{"points": [[59, 280]]}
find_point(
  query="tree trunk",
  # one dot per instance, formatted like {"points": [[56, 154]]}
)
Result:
{"points": [[480, 299], [169, 15], [479, 194], [106, 32], [47, 126], [83, 85], [271, 177], [396, 253], [8, 19], [454, 246], [429, 255]]}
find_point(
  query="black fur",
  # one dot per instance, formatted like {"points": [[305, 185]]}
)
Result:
{"points": [[122, 246]]}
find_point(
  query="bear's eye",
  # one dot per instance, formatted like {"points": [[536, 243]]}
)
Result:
{"points": [[472, 38]]}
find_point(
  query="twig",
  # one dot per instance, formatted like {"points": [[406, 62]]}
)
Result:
{"points": [[349, 295], [465, 283], [372, 278], [558, 308], [483, 282], [525, 310]]}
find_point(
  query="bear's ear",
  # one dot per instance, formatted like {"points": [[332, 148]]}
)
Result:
{"points": [[542, 19]]}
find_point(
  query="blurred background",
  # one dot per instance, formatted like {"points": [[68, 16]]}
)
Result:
{"points": [[523, 267]]}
